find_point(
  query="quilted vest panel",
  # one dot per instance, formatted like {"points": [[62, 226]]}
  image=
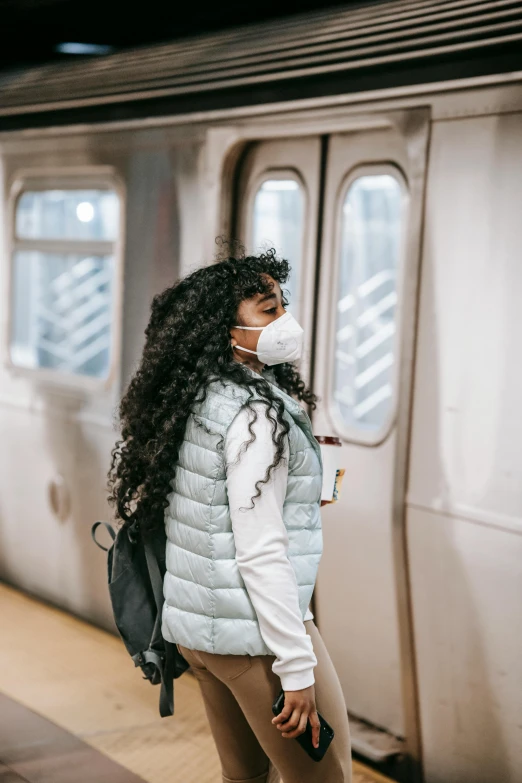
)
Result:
{"points": [[207, 606]]}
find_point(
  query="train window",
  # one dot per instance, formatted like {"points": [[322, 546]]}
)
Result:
{"points": [[67, 214], [371, 227], [278, 222], [63, 279]]}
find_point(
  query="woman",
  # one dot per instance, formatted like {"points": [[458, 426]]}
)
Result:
{"points": [[216, 447]]}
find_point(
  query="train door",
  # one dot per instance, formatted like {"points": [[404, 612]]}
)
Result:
{"points": [[367, 216]]}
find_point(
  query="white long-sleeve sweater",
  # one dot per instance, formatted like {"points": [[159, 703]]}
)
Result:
{"points": [[261, 547]]}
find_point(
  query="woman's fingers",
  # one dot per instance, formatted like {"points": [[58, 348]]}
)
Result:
{"points": [[298, 706], [316, 727], [292, 722], [301, 727], [284, 715]]}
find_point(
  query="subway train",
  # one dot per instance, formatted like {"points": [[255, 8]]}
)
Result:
{"points": [[379, 149]]}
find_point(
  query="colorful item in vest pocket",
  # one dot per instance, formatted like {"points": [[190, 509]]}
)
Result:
{"points": [[332, 472], [337, 486]]}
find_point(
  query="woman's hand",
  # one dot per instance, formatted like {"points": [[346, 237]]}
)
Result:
{"points": [[299, 708]]}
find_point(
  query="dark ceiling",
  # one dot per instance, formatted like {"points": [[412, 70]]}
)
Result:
{"points": [[31, 31]]}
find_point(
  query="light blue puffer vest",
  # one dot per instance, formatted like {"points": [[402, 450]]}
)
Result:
{"points": [[207, 606]]}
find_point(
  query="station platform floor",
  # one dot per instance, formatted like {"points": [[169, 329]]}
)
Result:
{"points": [[73, 709]]}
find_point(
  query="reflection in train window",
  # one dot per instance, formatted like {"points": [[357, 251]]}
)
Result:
{"points": [[63, 276], [277, 221], [370, 247]]}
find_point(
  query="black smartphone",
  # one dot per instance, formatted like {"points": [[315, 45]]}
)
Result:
{"points": [[326, 733]]}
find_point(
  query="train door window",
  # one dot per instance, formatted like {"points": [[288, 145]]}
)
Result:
{"points": [[371, 211], [63, 278], [277, 206], [277, 220]]}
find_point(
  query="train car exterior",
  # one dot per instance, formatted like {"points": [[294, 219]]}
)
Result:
{"points": [[398, 204]]}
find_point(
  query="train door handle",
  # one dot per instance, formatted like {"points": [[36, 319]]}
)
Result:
{"points": [[59, 498]]}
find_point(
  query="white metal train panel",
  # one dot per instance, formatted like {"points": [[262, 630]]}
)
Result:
{"points": [[465, 493], [62, 429], [467, 583], [467, 446]]}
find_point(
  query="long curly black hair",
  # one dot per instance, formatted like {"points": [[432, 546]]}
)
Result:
{"points": [[187, 346]]}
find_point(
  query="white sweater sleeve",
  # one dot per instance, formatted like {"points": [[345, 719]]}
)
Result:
{"points": [[262, 544]]}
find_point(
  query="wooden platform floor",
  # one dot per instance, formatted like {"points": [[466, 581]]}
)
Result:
{"points": [[81, 691]]}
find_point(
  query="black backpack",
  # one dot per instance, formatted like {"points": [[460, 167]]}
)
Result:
{"points": [[136, 567]]}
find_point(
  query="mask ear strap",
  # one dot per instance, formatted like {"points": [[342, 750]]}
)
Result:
{"points": [[250, 328], [245, 349]]}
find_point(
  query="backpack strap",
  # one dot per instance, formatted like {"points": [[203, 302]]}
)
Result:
{"points": [[155, 576], [110, 530], [166, 705], [165, 667]]}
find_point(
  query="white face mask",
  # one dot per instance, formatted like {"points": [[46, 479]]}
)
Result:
{"points": [[280, 341]]}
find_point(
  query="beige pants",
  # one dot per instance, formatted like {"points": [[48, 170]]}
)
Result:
{"points": [[238, 691]]}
